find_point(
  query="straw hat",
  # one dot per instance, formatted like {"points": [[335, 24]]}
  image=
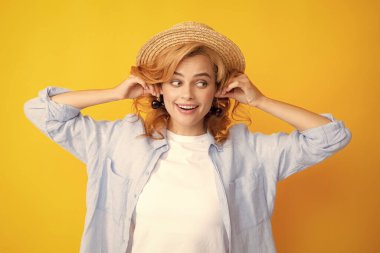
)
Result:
{"points": [[191, 31]]}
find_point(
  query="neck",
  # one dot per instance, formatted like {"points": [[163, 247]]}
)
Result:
{"points": [[189, 131]]}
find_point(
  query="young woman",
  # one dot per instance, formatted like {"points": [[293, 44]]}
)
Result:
{"points": [[183, 178]]}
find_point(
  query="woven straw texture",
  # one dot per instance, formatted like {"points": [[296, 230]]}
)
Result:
{"points": [[191, 31]]}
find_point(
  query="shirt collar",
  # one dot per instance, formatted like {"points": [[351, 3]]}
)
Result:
{"points": [[156, 144]]}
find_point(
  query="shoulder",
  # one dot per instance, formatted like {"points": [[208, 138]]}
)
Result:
{"points": [[126, 128], [131, 117], [132, 122], [241, 134], [238, 128], [240, 131]]}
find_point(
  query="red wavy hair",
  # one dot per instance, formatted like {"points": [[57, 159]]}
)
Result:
{"points": [[162, 70]]}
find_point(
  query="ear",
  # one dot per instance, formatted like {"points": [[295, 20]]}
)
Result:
{"points": [[218, 89]]}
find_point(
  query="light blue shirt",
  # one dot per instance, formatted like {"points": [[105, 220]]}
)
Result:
{"points": [[248, 166]]}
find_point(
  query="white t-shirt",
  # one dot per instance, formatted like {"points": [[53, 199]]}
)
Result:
{"points": [[178, 209]]}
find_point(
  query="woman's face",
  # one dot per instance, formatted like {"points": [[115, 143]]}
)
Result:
{"points": [[188, 95]]}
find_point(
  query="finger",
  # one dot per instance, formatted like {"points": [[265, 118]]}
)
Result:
{"points": [[219, 95], [229, 87], [160, 89], [149, 90], [230, 80], [143, 91], [234, 75], [157, 90], [219, 92], [227, 95], [152, 91], [232, 86], [233, 78], [141, 82]]}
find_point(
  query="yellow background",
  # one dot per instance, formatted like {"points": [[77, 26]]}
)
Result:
{"points": [[321, 55]]}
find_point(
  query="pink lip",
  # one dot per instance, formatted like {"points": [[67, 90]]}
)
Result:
{"points": [[187, 112]]}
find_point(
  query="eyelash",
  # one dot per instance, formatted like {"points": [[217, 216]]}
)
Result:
{"points": [[204, 82]]}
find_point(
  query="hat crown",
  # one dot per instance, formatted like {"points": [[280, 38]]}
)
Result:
{"points": [[188, 32], [192, 24]]}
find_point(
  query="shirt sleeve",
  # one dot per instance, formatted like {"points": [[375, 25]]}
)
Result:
{"points": [[285, 154], [81, 135]]}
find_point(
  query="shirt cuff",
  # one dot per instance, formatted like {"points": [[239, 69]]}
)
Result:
{"points": [[332, 132], [57, 111]]}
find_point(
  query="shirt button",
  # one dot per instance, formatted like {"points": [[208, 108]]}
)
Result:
{"points": [[147, 173], [135, 195]]}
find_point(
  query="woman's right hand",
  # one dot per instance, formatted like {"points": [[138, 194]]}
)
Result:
{"points": [[134, 87]]}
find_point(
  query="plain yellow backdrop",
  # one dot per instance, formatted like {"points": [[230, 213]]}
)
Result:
{"points": [[320, 55]]}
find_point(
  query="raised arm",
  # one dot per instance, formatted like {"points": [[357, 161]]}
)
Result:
{"points": [[241, 89], [56, 113], [85, 98], [317, 137], [130, 88], [298, 117]]}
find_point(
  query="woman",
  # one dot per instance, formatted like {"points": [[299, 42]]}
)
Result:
{"points": [[183, 179]]}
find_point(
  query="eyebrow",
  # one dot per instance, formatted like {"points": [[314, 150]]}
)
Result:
{"points": [[199, 74]]}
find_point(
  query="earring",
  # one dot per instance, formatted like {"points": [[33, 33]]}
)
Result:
{"points": [[216, 110], [158, 103]]}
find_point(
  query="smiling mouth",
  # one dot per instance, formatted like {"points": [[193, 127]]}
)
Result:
{"points": [[187, 107]]}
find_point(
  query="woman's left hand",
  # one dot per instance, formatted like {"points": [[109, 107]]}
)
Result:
{"points": [[240, 88]]}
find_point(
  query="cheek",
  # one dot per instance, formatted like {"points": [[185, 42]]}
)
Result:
{"points": [[208, 97], [168, 95]]}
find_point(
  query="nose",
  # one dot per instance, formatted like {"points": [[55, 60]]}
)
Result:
{"points": [[187, 92]]}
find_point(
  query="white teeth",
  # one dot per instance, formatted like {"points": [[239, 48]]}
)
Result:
{"points": [[187, 107]]}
